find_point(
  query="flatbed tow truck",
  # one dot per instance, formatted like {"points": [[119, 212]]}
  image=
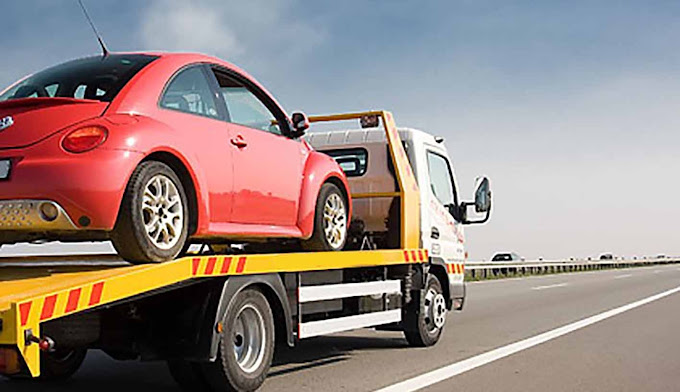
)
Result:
{"points": [[216, 317]]}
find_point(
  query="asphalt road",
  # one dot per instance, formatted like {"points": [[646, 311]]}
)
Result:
{"points": [[636, 350]]}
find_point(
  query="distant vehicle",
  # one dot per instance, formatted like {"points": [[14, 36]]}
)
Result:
{"points": [[660, 256], [606, 256], [512, 256]]}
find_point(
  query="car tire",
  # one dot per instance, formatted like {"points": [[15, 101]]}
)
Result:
{"points": [[153, 221], [425, 315], [330, 221], [246, 345]]}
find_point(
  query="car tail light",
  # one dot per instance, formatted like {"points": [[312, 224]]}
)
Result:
{"points": [[84, 139], [9, 361]]}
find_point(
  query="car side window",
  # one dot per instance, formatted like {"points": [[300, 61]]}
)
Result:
{"points": [[441, 178], [189, 92], [244, 108]]}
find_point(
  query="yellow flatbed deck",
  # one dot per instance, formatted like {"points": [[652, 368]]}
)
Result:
{"points": [[35, 290]]}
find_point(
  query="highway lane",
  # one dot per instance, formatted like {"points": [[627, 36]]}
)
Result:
{"points": [[607, 355]]}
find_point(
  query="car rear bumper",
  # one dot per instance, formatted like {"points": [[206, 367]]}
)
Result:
{"points": [[34, 215], [86, 189]]}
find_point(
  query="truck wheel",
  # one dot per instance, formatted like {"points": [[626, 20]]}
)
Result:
{"points": [[246, 346], [425, 315], [330, 221], [61, 364], [188, 375], [153, 222]]}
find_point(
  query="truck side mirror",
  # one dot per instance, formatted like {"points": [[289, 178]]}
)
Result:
{"points": [[300, 123], [483, 196], [482, 202]]}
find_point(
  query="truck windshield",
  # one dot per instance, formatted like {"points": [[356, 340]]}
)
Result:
{"points": [[99, 78]]}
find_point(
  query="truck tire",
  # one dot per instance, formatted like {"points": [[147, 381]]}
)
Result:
{"points": [[330, 221], [153, 221], [425, 315], [246, 346], [61, 364]]}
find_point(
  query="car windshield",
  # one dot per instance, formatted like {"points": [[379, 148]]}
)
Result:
{"points": [[99, 78]]}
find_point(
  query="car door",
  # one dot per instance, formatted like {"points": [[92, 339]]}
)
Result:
{"points": [[267, 166], [190, 106], [446, 233]]}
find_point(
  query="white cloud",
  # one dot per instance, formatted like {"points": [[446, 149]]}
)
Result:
{"points": [[183, 26], [256, 33]]}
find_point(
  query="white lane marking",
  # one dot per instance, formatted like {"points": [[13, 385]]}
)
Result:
{"points": [[623, 276], [454, 369], [550, 286], [658, 271]]}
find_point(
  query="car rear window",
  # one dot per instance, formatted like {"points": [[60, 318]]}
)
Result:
{"points": [[352, 161], [99, 78]]}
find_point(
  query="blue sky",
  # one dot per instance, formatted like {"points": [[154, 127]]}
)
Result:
{"points": [[569, 107]]}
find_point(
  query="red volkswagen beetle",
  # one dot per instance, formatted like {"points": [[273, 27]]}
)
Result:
{"points": [[153, 151]]}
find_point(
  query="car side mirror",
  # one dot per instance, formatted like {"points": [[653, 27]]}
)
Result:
{"points": [[300, 123], [482, 202]]}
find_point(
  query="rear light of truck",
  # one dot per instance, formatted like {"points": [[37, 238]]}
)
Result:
{"points": [[84, 139], [9, 361]]}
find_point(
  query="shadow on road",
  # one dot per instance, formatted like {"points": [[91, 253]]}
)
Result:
{"points": [[103, 374], [328, 350]]}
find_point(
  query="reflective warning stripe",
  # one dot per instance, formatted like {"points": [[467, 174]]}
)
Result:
{"points": [[73, 298], [455, 268], [57, 305], [48, 307]]}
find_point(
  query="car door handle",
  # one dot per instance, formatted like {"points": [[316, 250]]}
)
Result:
{"points": [[239, 141], [435, 233]]}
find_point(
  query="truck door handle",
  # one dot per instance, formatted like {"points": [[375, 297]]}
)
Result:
{"points": [[435, 233], [239, 141]]}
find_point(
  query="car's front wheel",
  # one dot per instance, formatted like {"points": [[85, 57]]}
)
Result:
{"points": [[153, 222], [330, 221]]}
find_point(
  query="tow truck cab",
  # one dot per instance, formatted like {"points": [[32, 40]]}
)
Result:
{"points": [[364, 156]]}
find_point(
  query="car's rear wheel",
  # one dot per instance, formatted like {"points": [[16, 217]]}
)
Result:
{"points": [[330, 220], [153, 221]]}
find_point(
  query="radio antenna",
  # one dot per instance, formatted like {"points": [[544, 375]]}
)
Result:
{"points": [[96, 33]]}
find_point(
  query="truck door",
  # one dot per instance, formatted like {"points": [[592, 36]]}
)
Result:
{"points": [[442, 234]]}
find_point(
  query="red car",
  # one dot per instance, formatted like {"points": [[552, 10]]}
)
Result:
{"points": [[153, 151]]}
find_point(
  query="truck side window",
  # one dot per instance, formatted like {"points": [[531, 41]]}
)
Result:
{"points": [[352, 161], [441, 178]]}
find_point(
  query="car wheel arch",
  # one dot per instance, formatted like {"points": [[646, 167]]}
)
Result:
{"points": [[340, 184], [309, 195], [188, 182]]}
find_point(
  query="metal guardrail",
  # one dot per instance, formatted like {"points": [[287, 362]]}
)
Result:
{"points": [[491, 269]]}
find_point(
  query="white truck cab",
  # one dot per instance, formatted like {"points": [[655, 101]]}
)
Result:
{"points": [[363, 155]]}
